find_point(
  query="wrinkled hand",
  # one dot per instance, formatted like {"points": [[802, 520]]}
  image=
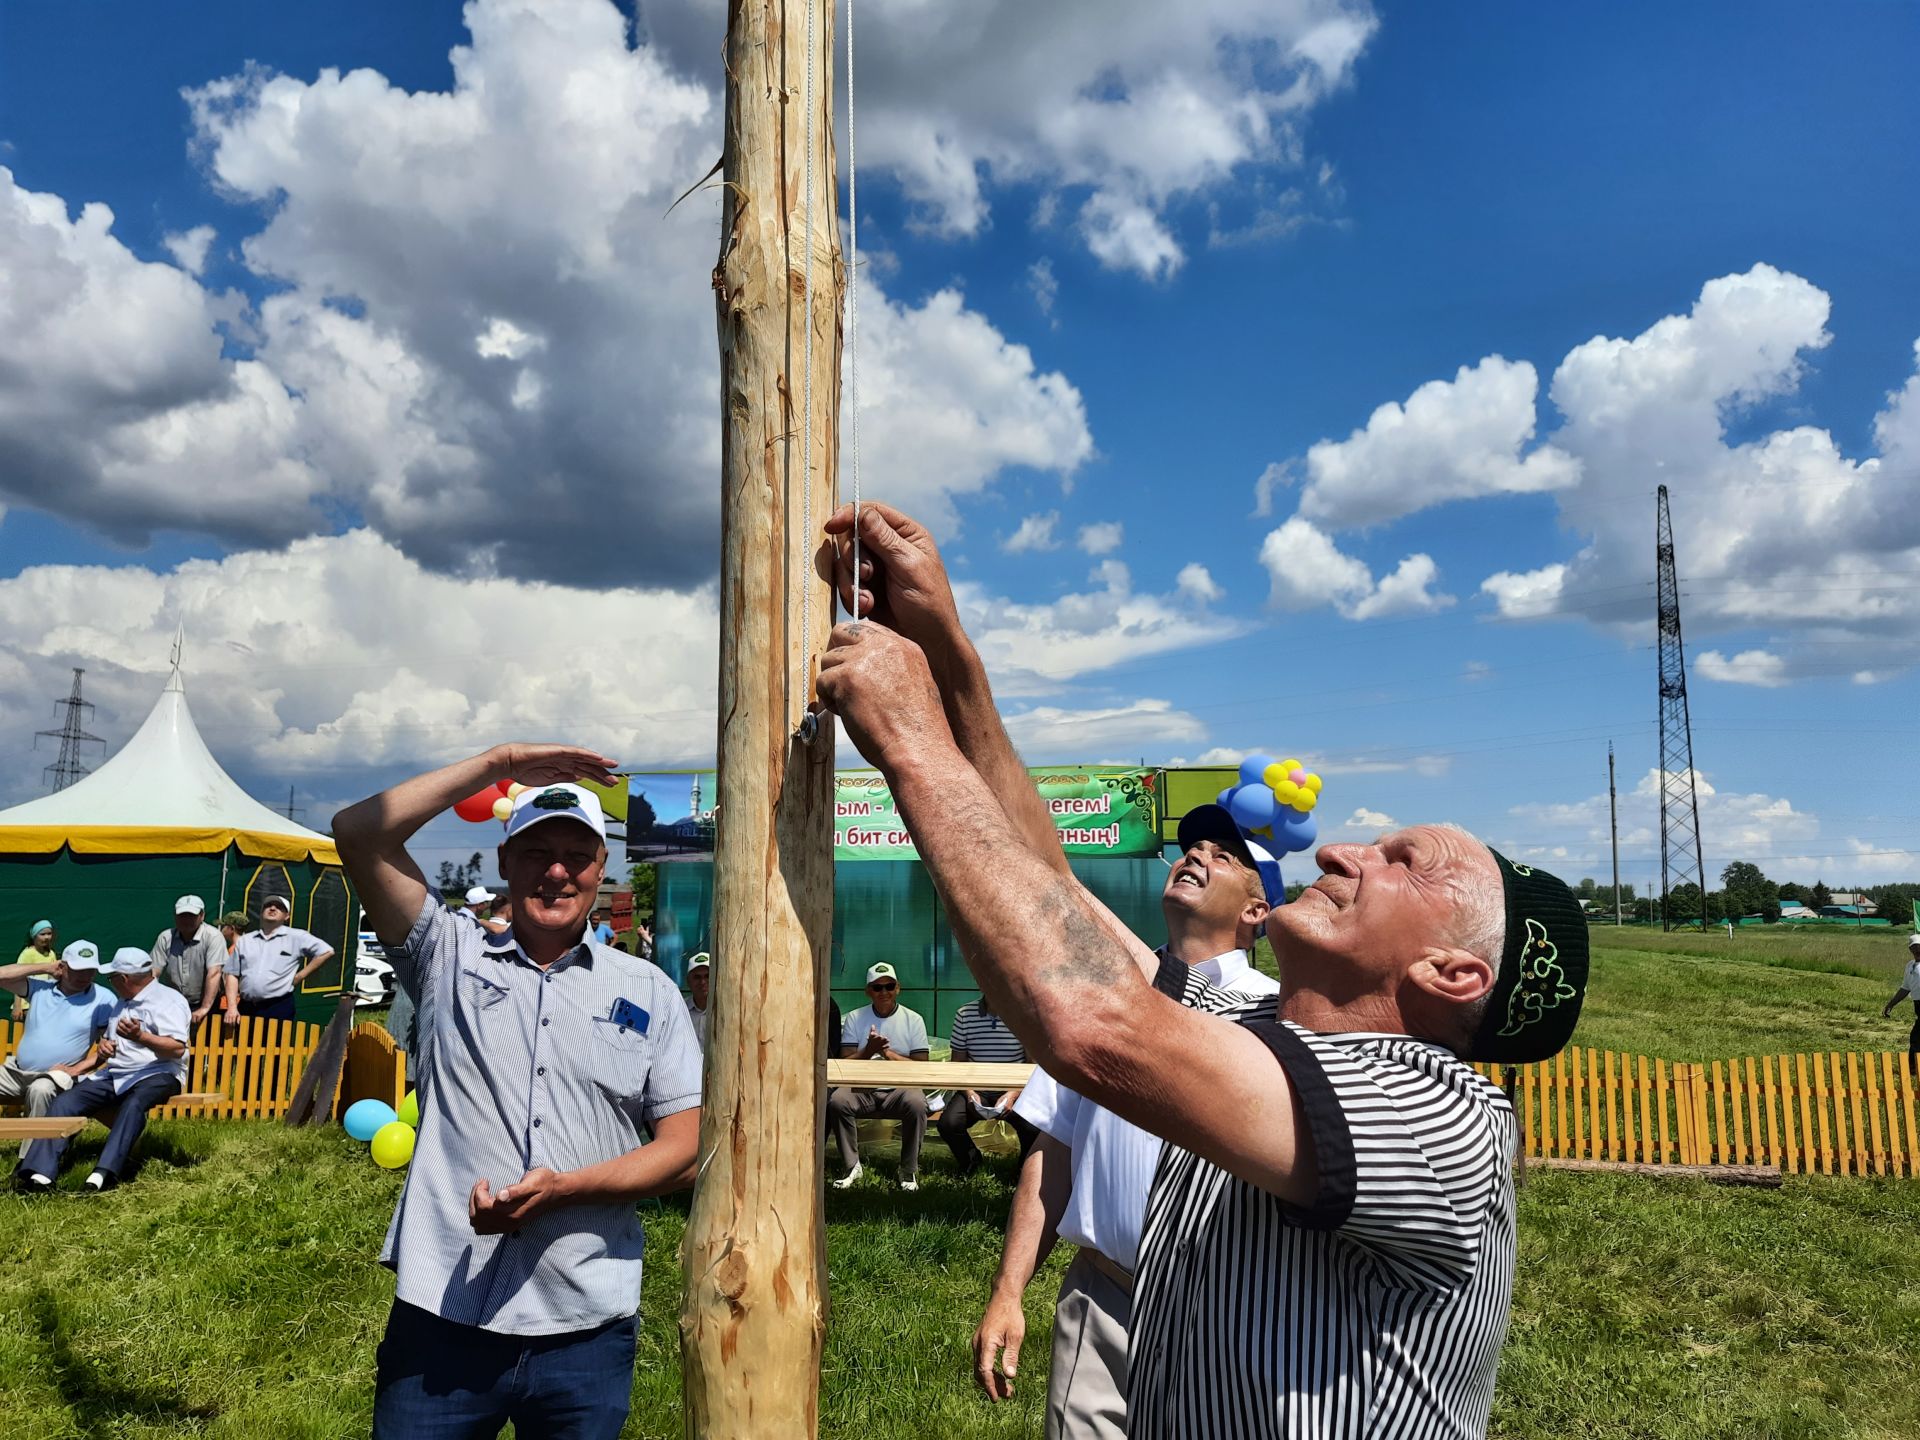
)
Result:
{"points": [[1001, 1330], [534, 1193], [128, 1027], [231, 1017], [109, 1047], [199, 1013], [879, 685], [554, 764], [903, 583]]}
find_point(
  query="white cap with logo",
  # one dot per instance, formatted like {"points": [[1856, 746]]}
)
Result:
{"points": [[81, 955], [557, 802], [130, 960], [189, 905], [882, 971]]}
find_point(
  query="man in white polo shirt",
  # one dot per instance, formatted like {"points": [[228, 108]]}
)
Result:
{"points": [[1909, 986], [477, 909], [271, 963], [1215, 903], [146, 1065], [881, 1029]]}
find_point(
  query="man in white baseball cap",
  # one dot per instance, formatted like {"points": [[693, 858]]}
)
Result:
{"points": [[476, 907], [1909, 985], [699, 990], [881, 1029], [270, 964], [67, 1012], [542, 1057], [145, 1051], [190, 955]]}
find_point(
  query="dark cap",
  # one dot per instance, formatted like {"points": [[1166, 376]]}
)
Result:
{"points": [[1543, 970], [1216, 823]]}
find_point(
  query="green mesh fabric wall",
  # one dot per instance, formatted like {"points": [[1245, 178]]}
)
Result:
{"points": [[887, 910]]}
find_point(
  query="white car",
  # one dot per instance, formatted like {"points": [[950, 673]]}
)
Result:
{"points": [[372, 975]]}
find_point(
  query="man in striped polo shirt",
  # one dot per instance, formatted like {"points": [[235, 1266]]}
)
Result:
{"points": [[1089, 1178], [1329, 1241], [979, 1034]]}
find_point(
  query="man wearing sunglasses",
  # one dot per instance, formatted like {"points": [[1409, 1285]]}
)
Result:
{"points": [[882, 1029]]}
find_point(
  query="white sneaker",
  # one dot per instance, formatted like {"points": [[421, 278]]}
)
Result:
{"points": [[909, 1185], [847, 1181]]}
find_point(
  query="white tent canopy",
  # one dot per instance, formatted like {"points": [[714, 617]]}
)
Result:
{"points": [[163, 794]]}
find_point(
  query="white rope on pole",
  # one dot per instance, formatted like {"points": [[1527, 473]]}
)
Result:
{"points": [[806, 402], [853, 316]]}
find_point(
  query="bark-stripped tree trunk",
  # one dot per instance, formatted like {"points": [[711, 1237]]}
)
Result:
{"points": [[754, 1306]]}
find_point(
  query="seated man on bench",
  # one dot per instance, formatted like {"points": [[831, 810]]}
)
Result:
{"points": [[146, 1065], [67, 1012]]}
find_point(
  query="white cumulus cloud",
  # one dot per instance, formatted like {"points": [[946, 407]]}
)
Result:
{"points": [[1307, 570], [1035, 532], [1749, 667], [1103, 537]]}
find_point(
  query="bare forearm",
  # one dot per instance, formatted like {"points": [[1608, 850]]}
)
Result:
{"points": [[211, 990], [373, 834], [665, 1165], [15, 977], [1044, 961], [1038, 1203], [978, 730], [311, 966]]}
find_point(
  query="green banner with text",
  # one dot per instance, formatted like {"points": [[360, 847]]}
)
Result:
{"points": [[1098, 810]]}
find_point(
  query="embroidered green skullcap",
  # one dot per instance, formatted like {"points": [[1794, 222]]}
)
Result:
{"points": [[1543, 970]]}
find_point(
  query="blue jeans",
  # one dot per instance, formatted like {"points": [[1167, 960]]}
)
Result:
{"points": [[438, 1380], [89, 1097]]}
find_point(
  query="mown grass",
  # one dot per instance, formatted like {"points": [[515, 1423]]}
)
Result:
{"points": [[232, 1290]]}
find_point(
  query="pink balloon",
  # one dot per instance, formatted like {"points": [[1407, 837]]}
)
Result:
{"points": [[1298, 777]]}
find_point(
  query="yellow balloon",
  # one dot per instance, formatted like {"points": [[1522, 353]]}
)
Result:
{"points": [[1285, 792], [1266, 830], [1287, 767], [513, 790], [1306, 802], [393, 1145], [1313, 782], [502, 808], [1274, 775]]}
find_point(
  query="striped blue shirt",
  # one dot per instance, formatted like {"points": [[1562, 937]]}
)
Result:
{"points": [[517, 1067]]}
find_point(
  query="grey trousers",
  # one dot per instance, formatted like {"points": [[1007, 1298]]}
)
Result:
{"points": [[35, 1087], [1087, 1389], [847, 1107]]}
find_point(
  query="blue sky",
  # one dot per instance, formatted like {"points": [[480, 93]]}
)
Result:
{"points": [[1583, 250]]}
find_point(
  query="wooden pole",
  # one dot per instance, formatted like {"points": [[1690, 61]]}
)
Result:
{"points": [[754, 1305]]}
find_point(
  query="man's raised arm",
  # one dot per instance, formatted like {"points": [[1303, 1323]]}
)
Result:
{"points": [[373, 834], [1066, 985], [904, 586]]}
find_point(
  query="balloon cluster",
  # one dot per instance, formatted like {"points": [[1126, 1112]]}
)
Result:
{"points": [[493, 803], [1275, 800], [388, 1132]]}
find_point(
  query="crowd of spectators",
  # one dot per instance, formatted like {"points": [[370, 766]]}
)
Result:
{"points": [[116, 1054]]}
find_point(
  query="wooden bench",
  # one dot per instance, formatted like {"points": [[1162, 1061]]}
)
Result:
{"points": [[927, 1074], [46, 1127]]}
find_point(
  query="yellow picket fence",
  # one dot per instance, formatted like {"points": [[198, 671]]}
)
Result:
{"points": [[375, 1068], [1831, 1113], [247, 1071]]}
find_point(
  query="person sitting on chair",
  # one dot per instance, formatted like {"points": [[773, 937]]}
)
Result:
{"points": [[146, 1065], [979, 1034], [882, 1029]]}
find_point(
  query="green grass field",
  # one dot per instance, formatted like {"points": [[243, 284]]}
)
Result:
{"points": [[232, 1289]]}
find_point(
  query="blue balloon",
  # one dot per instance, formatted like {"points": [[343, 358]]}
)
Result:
{"points": [[365, 1117], [1294, 831], [1225, 798], [1253, 769], [1253, 807]]}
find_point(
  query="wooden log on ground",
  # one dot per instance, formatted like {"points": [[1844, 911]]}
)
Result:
{"points": [[1764, 1176], [753, 1309]]}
